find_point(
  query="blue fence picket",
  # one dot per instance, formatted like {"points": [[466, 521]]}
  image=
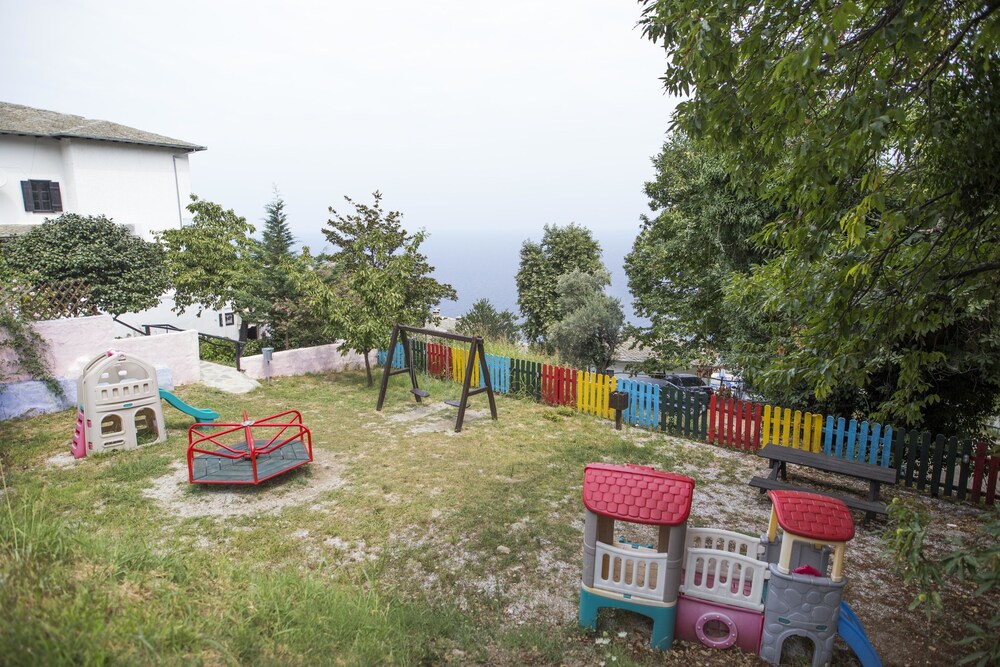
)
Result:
{"points": [[886, 448], [398, 359], [643, 404], [499, 368], [856, 441]]}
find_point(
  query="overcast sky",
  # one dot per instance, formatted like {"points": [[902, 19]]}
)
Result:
{"points": [[472, 118]]}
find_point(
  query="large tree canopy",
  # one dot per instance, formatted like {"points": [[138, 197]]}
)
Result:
{"points": [[683, 257], [214, 262], [561, 251], [873, 128], [382, 278], [122, 272]]}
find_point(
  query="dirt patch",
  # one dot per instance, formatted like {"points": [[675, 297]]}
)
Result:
{"points": [[63, 460], [184, 500]]}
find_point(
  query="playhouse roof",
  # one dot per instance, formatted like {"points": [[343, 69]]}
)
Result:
{"points": [[638, 494], [816, 517]]}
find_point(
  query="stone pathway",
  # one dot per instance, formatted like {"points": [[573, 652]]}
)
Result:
{"points": [[226, 378]]}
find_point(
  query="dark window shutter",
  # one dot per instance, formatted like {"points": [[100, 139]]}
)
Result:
{"points": [[54, 197], [29, 202]]}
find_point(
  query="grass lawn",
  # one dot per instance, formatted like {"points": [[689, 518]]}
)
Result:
{"points": [[403, 543]]}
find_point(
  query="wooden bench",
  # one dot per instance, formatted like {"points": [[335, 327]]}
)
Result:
{"points": [[779, 457]]}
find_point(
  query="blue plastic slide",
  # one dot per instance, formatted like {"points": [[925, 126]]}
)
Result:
{"points": [[849, 627], [200, 416]]}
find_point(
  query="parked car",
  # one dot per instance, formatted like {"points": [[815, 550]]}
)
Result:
{"points": [[687, 382]]}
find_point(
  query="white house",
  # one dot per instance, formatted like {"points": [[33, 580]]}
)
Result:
{"points": [[54, 162]]}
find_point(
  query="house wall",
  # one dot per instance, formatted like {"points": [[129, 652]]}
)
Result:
{"points": [[131, 184]]}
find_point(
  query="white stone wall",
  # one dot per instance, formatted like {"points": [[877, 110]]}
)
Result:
{"points": [[319, 359], [129, 183]]}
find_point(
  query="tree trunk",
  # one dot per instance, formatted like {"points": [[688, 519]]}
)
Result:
{"points": [[368, 368]]}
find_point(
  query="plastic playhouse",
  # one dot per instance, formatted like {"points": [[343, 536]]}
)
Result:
{"points": [[119, 405], [717, 587], [249, 452]]}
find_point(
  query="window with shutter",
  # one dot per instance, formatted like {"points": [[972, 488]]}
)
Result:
{"points": [[41, 196]]}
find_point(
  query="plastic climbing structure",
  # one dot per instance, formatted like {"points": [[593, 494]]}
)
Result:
{"points": [[717, 587]]}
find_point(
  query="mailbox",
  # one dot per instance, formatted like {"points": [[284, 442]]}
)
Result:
{"points": [[618, 400], [267, 352]]}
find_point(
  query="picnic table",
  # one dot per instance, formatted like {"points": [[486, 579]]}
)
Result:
{"points": [[780, 456]]}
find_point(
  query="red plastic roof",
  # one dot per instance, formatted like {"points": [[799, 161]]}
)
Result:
{"points": [[638, 494], [816, 517]]}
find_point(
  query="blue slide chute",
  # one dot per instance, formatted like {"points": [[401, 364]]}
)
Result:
{"points": [[201, 416], [849, 627]]}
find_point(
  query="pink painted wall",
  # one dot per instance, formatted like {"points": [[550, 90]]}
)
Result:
{"points": [[318, 359], [73, 342]]}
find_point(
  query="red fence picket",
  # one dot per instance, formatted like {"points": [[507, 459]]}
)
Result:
{"points": [[985, 468], [559, 385], [734, 423], [439, 360]]}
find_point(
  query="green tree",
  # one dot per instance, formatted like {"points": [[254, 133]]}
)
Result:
{"points": [[381, 278], [485, 321], [122, 272], [562, 250], [213, 263], [684, 255], [285, 322], [589, 330], [276, 237], [873, 128]]}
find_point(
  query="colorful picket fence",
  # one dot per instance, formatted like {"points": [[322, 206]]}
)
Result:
{"points": [[439, 360], [858, 441], [734, 423], [941, 466], [559, 385], [398, 360], [592, 390]]}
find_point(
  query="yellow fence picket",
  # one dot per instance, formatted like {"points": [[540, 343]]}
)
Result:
{"points": [[459, 359], [592, 391]]}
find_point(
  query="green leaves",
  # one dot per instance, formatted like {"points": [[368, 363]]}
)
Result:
{"points": [[562, 250], [485, 321], [213, 261], [874, 128], [589, 329], [382, 278], [123, 272]]}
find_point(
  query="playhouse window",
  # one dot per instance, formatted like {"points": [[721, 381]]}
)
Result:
{"points": [[111, 425], [41, 196]]}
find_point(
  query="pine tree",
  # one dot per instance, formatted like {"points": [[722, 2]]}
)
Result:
{"points": [[277, 237]]}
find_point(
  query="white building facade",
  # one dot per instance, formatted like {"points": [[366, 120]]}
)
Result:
{"points": [[53, 163]]}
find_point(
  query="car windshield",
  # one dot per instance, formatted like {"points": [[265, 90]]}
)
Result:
{"points": [[690, 381]]}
